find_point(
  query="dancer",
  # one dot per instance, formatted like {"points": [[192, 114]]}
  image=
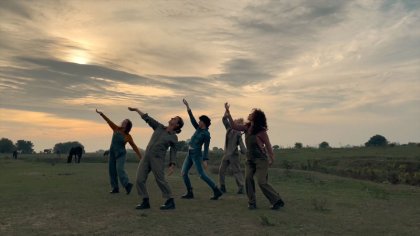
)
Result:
{"points": [[195, 156], [231, 155], [117, 153], [259, 157], [162, 138]]}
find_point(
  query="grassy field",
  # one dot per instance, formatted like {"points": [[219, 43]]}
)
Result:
{"points": [[54, 198]]}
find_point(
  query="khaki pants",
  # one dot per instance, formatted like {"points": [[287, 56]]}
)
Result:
{"points": [[235, 166], [259, 168], [157, 166]]}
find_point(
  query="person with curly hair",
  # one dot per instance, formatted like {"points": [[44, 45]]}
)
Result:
{"points": [[200, 137], [259, 157], [163, 137], [117, 153]]}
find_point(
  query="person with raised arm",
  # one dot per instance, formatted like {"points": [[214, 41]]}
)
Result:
{"points": [[259, 157], [117, 153], [200, 138], [163, 137], [230, 158]]}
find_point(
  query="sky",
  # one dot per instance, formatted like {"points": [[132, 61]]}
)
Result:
{"points": [[321, 70]]}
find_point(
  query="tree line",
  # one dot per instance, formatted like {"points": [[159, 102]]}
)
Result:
{"points": [[26, 147]]}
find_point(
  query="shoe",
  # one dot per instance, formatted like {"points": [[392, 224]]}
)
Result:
{"points": [[223, 188], [114, 190], [252, 206], [188, 195], [128, 188], [169, 205], [216, 193], [277, 205], [144, 205], [240, 190]]}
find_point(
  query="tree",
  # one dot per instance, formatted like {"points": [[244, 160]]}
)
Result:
{"points": [[6, 145], [298, 145], [377, 141], [324, 145], [276, 147], [65, 147], [25, 146]]}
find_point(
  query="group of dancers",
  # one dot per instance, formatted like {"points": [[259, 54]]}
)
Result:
{"points": [[258, 150]]}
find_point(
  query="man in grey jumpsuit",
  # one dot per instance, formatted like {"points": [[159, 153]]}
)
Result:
{"points": [[162, 138], [231, 156]]}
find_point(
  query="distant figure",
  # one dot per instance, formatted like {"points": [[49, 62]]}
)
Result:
{"points": [[77, 153], [259, 157], [106, 153], [200, 138], [117, 153], [15, 154], [231, 155]]}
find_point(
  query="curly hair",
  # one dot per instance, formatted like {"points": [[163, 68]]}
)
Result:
{"points": [[128, 126], [180, 125], [260, 121]]}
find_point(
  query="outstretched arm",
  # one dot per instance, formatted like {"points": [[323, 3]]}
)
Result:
{"points": [[233, 125], [134, 146], [190, 114], [110, 123], [149, 120], [225, 121]]}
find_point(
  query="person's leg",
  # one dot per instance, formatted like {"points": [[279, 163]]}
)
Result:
{"points": [[122, 174], [141, 177], [235, 165], [112, 167], [158, 169], [266, 188], [250, 184], [186, 166], [222, 171], [199, 167]]}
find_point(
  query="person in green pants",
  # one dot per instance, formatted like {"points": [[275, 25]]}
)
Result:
{"points": [[163, 137], [259, 157], [117, 153]]}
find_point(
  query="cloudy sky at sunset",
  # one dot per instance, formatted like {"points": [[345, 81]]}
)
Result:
{"points": [[322, 70]]}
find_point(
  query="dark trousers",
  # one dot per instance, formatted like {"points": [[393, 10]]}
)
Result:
{"points": [[259, 168]]}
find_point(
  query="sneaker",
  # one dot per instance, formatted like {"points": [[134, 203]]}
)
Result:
{"points": [[114, 190], [216, 193], [252, 206], [168, 205], [128, 188], [188, 195], [277, 205], [144, 205]]}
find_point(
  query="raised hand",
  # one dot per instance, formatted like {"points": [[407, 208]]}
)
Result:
{"points": [[227, 106], [132, 109], [99, 112], [186, 103]]}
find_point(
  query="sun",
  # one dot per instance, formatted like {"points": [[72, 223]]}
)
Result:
{"points": [[78, 56]]}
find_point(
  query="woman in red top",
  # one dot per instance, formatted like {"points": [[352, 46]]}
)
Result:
{"points": [[259, 157]]}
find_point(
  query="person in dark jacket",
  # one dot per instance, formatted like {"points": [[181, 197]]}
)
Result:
{"points": [[200, 137]]}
